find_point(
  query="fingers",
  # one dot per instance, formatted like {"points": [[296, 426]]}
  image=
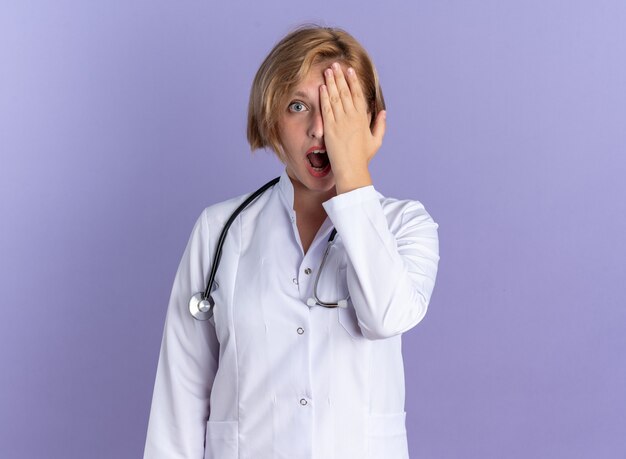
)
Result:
{"points": [[358, 98], [327, 109], [335, 96], [344, 90], [336, 103], [339, 83], [343, 95]]}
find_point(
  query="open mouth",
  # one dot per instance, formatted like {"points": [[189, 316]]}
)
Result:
{"points": [[318, 159]]}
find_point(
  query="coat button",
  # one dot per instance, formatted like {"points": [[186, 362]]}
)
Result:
{"points": [[303, 401], [308, 271], [300, 330], [295, 281]]}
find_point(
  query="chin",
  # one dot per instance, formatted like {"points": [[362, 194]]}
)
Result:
{"points": [[312, 183], [321, 185]]}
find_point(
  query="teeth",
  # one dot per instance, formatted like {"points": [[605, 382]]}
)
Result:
{"points": [[317, 152]]}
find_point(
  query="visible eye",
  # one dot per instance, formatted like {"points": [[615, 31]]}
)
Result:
{"points": [[297, 107]]}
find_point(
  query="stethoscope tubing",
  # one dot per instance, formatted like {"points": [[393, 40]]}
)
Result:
{"points": [[340, 303], [220, 241]]}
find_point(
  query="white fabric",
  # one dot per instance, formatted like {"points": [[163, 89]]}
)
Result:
{"points": [[249, 383]]}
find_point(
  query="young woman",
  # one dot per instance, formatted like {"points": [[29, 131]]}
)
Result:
{"points": [[301, 356]]}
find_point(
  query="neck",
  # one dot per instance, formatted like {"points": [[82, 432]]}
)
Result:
{"points": [[306, 201]]}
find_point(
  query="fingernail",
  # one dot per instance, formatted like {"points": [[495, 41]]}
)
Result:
{"points": [[336, 66], [350, 71], [328, 72]]}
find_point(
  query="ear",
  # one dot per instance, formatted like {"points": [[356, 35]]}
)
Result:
{"points": [[378, 130]]}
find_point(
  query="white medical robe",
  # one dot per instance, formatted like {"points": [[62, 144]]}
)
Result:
{"points": [[269, 377]]}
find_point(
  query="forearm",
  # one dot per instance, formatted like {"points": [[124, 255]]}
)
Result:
{"points": [[392, 260]]}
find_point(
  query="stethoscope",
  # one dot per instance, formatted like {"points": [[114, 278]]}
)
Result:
{"points": [[201, 304]]}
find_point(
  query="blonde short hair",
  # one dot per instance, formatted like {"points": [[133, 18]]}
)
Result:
{"points": [[289, 62]]}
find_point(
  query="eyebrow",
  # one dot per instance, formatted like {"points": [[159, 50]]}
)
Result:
{"points": [[300, 94]]}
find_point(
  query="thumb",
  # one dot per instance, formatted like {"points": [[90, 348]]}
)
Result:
{"points": [[378, 130]]}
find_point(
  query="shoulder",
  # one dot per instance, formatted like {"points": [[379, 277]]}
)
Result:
{"points": [[219, 213], [213, 218], [209, 225]]}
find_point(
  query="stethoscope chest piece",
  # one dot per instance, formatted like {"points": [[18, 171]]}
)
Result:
{"points": [[201, 308]]}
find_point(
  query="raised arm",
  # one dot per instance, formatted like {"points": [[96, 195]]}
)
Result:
{"points": [[393, 256], [392, 259]]}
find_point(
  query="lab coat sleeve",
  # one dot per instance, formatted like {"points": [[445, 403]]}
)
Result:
{"points": [[392, 259], [187, 362]]}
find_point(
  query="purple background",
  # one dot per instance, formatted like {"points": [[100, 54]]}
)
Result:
{"points": [[121, 120]]}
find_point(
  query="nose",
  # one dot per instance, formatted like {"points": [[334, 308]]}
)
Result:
{"points": [[316, 126]]}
